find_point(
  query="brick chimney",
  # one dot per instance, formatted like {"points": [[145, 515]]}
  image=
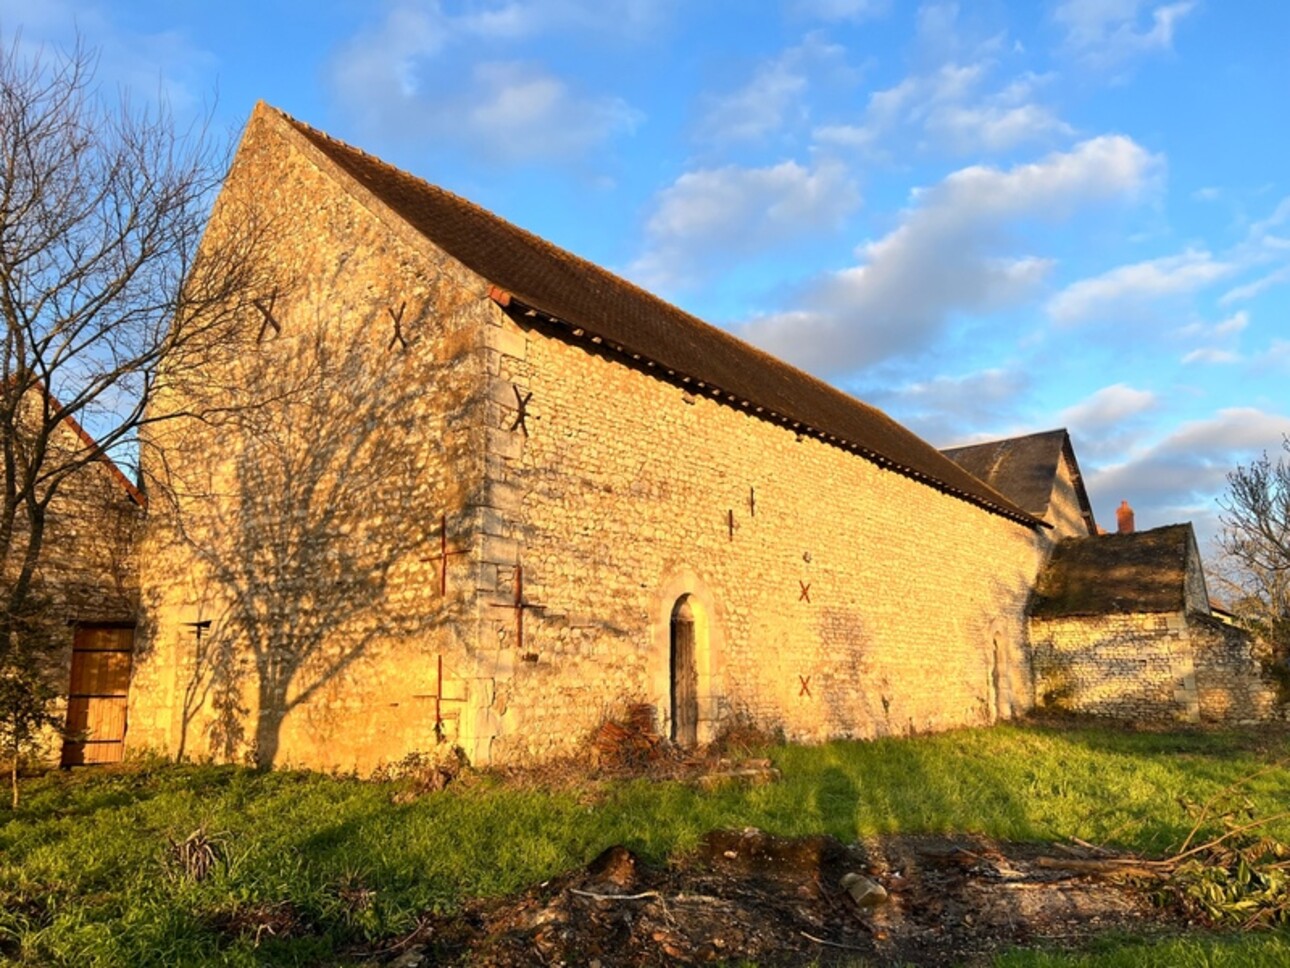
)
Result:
{"points": [[1124, 518]]}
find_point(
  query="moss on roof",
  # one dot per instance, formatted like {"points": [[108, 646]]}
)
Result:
{"points": [[1145, 571]]}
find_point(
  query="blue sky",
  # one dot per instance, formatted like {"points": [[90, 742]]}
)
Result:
{"points": [[986, 218]]}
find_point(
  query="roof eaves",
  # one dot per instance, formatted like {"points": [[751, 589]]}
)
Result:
{"points": [[508, 301]]}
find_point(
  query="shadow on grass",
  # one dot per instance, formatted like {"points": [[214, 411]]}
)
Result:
{"points": [[87, 790]]}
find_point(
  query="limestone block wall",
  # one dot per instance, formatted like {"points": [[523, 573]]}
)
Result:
{"points": [[1232, 685], [832, 598], [1171, 667], [1064, 511], [1137, 667], [296, 611], [87, 569]]}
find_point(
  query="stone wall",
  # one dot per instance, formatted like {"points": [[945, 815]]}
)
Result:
{"points": [[1174, 667], [1232, 685], [1136, 667], [304, 528], [833, 598], [87, 569], [1064, 511], [88, 572]]}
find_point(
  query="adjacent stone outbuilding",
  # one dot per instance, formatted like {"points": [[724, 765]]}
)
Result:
{"points": [[1120, 627], [86, 588]]}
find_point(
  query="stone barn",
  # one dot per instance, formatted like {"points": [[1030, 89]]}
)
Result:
{"points": [[485, 492], [1038, 473], [467, 488]]}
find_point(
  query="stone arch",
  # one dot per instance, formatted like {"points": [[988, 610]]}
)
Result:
{"points": [[685, 590]]}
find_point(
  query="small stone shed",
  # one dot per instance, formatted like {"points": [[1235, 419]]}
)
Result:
{"points": [[87, 583], [1120, 627]]}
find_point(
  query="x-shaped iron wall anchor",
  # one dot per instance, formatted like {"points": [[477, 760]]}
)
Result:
{"points": [[806, 686], [398, 328], [521, 410], [805, 596], [269, 321]]}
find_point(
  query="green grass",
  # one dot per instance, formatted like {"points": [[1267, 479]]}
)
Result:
{"points": [[84, 878], [1267, 950]]}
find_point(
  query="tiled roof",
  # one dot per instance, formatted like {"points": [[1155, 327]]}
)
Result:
{"points": [[1144, 571], [531, 273], [1023, 469]]}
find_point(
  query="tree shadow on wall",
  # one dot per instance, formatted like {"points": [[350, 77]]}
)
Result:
{"points": [[303, 514]]}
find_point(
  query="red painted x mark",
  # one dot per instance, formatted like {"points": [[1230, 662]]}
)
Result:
{"points": [[806, 591], [806, 685]]}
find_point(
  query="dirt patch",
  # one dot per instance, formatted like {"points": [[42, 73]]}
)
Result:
{"points": [[750, 896]]}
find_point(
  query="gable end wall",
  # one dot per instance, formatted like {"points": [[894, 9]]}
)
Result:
{"points": [[327, 517]]}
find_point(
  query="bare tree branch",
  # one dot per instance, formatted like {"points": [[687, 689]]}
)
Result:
{"points": [[109, 294]]}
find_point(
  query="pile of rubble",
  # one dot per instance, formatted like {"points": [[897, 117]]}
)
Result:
{"points": [[748, 895]]}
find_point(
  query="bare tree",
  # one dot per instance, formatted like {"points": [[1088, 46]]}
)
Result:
{"points": [[107, 296], [1255, 545]]}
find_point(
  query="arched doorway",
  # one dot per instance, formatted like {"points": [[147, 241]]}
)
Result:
{"points": [[684, 675]]}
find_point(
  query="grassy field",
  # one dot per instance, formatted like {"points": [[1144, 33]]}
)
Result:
{"points": [[87, 875]]}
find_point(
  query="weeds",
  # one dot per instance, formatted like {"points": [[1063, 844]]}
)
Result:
{"points": [[196, 856]]}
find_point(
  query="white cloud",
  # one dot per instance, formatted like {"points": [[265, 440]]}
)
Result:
{"points": [[949, 254], [1211, 354], [1232, 324], [947, 107], [994, 128], [853, 10], [1249, 290], [948, 410], [1127, 288], [774, 95], [1105, 33], [1277, 354], [400, 79], [1108, 408], [1182, 474], [520, 111], [715, 214]]}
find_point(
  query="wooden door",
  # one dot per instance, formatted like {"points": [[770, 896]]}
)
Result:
{"points": [[96, 701], [685, 678]]}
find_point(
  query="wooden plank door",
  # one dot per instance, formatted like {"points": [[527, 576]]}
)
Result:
{"points": [[96, 700], [685, 678]]}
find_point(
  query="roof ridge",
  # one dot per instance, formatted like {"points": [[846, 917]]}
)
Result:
{"points": [[995, 441], [568, 254]]}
